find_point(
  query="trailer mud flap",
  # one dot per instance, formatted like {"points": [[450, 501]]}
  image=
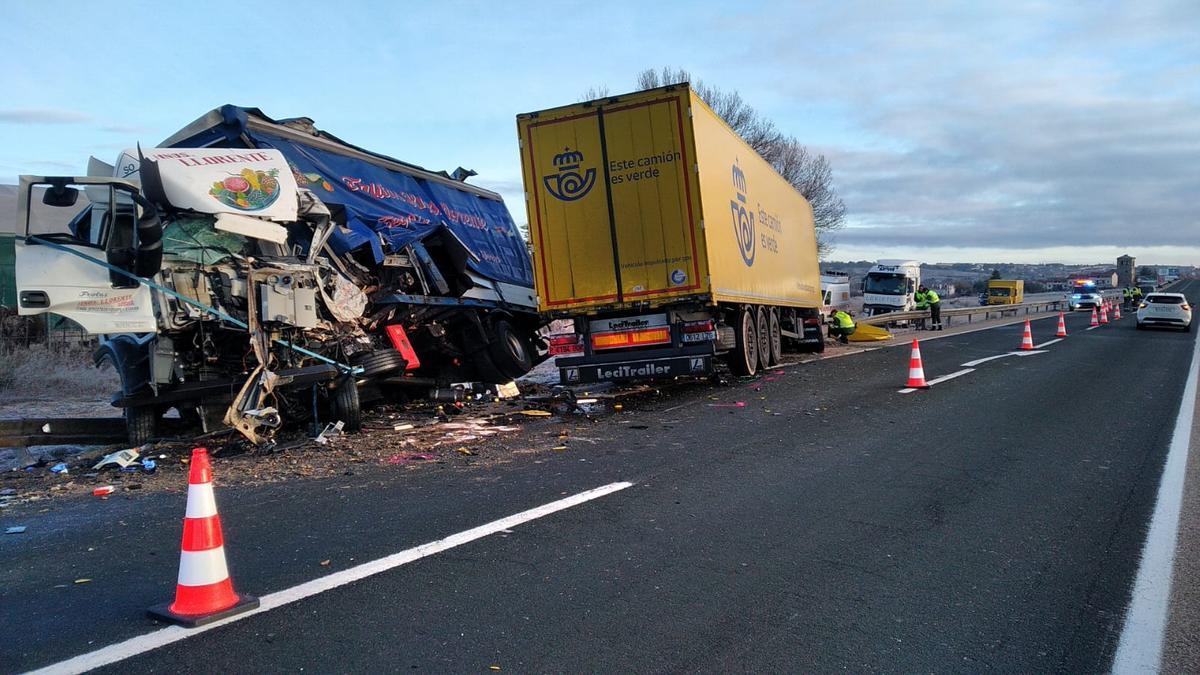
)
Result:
{"points": [[637, 370]]}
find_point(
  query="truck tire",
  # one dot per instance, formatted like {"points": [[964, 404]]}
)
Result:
{"points": [[346, 405], [743, 360], [141, 423], [379, 362], [774, 337], [763, 328], [509, 351]]}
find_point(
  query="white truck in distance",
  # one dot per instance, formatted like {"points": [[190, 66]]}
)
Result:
{"points": [[890, 286]]}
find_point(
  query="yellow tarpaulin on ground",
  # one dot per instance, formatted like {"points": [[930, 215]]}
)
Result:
{"points": [[868, 333]]}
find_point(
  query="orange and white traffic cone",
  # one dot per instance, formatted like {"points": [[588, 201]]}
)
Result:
{"points": [[204, 592], [1027, 339], [1103, 315], [1116, 312], [1095, 321], [916, 372], [1062, 326]]}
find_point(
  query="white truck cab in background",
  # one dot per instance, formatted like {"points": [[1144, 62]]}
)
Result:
{"points": [[890, 286], [835, 291]]}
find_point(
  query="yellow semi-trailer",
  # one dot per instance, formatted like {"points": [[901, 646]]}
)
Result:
{"points": [[666, 238]]}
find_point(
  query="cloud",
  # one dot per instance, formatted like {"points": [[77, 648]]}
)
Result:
{"points": [[43, 116], [1032, 126]]}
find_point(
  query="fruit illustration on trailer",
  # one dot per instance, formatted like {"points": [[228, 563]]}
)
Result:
{"points": [[310, 180], [250, 190]]}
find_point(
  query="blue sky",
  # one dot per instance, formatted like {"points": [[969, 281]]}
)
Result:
{"points": [[1023, 131]]}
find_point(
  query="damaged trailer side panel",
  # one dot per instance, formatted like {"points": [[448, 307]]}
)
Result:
{"points": [[389, 204]]}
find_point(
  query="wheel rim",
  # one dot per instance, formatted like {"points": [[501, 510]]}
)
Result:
{"points": [[764, 337], [776, 338], [750, 340]]}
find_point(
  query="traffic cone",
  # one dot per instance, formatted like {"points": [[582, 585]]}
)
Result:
{"points": [[1116, 312], [1095, 322], [1103, 315], [204, 592], [1027, 339], [916, 372], [1062, 326]]}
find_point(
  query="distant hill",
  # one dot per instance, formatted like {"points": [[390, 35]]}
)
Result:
{"points": [[8, 207]]}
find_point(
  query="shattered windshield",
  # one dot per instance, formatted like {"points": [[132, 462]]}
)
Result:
{"points": [[193, 238]]}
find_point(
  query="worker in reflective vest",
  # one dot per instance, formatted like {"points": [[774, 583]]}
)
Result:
{"points": [[841, 326], [929, 298]]}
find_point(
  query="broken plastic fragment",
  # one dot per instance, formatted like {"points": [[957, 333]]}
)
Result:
{"points": [[536, 413], [15, 529], [103, 491], [121, 458]]}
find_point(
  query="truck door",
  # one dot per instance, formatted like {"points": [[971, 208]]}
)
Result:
{"points": [[69, 231], [613, 202]]}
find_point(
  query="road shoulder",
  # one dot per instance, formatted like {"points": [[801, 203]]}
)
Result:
{"points": [[1181, 650]]}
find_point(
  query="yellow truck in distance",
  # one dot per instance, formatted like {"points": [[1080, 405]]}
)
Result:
{"points": [[667, 239], [1005, 291]]}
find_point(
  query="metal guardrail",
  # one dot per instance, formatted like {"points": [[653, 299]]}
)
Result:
{"points": [[985, 310]]}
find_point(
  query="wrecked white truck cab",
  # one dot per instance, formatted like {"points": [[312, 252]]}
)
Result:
{"points": [[206, 274]]}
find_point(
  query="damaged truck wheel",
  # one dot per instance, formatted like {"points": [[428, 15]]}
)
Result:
{"points": [[141, 422], [346, 405], [507, 356], [380, 362]]}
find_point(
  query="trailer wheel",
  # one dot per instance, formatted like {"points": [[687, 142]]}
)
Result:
{"points": [[346, 405], [763, 329], [774, 338], [743, 360], [141, 423]]}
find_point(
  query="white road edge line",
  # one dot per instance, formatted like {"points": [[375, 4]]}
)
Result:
{"points": [[976, 362], [951, 376], [1047, 343], [165, 636], [1141, 645]]}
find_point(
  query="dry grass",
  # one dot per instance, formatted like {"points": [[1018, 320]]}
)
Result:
{"points": [[64, 373]]}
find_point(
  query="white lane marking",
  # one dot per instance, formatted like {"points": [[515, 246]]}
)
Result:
{"points": [[951, 376], [1027, 353], [1091, 328], [165, 636], [1141, 644], [976, 362], [1047, 343]]}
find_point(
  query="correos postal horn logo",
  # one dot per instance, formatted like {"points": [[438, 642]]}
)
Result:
{"points": [[743, 220], [569, 184]]}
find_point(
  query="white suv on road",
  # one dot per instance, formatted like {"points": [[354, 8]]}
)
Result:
{"points": [[1165, 309]]}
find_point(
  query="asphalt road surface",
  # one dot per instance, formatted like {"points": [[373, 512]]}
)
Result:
{"points": [[994, 521]]}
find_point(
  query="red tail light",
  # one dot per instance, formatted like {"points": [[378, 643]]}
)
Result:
{"points": [[1187, 307], [699, 331], [565, 343], [812, 321]]}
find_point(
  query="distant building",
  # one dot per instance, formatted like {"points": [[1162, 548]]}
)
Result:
{"points": [[1106, 279], [1126, 274]]}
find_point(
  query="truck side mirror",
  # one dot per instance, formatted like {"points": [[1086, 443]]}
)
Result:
{"points": [[60, 196]]}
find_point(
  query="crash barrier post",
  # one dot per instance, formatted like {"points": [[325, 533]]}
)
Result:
{"points": [[204, 592]]}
